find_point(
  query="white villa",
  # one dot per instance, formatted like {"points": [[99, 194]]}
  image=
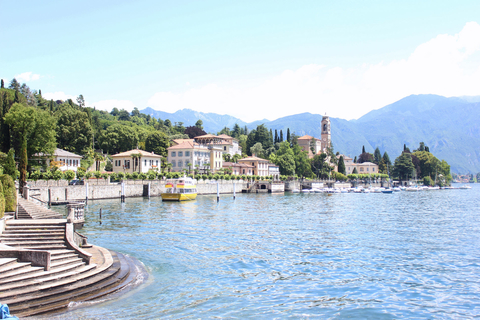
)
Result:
{"points": [[136, 160]]}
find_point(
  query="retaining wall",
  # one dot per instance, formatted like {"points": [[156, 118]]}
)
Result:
{"points": [[102, 190]]}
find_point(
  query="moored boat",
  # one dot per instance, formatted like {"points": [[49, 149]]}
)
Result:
{"points": [[180, 189]]}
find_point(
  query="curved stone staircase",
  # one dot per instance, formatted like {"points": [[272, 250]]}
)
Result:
{"points": [[69, 274]]}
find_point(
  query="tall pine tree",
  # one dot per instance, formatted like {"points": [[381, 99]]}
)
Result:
{"points": [[281, 136], [288, 135]]}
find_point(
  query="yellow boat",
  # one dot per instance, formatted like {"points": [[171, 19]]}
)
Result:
{"points": [[180, 189]]}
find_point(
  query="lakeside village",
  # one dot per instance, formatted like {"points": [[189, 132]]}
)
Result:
{"points": [[62, 140], [62, 152]]}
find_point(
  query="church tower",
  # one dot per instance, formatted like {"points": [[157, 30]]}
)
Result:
{"points": [[326, 133]]}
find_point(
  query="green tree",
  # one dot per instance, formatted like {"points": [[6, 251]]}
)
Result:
{"points": [[285, 159], [377, 155], [341, 166], [2, 85], [320, 166], [199, 124], [403, 166], [9, 166], [36, 126], [74, 130], [2, 202], [302, 163], [118, 138], [288, 136], [23, 164], [10, 192], [14, 84], [257, 149]]}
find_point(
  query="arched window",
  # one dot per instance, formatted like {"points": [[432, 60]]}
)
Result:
{"points": [[324, 127]]}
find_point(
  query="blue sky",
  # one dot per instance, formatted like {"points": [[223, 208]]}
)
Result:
{"points": [[250, 59]]}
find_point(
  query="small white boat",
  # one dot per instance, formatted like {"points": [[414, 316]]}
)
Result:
{"points": [[295, 191], [306, 191], [465, 186]]}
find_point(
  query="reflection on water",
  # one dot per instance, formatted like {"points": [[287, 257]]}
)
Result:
{"points": [[403, 255]]}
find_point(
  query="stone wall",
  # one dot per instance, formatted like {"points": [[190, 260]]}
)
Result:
{"points": [[113, 190]]}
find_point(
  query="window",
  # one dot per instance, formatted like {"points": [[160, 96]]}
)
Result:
{"points": [[180, 153], [361, 169], [180, 164], [225, 148], [173, 164], [157, 163], [187, 153], [127, 164], [173, 154]]}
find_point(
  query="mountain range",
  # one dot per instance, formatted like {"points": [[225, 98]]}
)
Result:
{"points": [[450, 127]]}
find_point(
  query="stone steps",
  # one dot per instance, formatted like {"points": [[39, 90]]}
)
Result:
{"points": [[90, 286], [31, 290]]}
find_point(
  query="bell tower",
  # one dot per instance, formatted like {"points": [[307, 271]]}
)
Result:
{"points": [[326, 133]]}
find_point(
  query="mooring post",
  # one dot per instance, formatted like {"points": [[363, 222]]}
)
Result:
{"points": [[86, 192], [122, 197], [218, 193], [234, 190], [49, 197], [100, 215], [149, 189], [66, 194]]}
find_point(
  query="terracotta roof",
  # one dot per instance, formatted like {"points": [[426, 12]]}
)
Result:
{"points": [[183, 145], [136, 151], [307, 137], [233, 164], [252, 158], [179, 141], [224, 136]]}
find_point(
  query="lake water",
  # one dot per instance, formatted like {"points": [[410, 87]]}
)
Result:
{"points": [[300, 256]]}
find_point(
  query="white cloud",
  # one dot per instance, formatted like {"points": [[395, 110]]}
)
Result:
{"points": [[59, 95], [108, 105], [27, 76], [447, 65]]}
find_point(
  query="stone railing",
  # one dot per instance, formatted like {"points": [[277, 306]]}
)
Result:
{"points": [[76, 213]]}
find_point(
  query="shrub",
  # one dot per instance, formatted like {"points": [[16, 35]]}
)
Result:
{"points": [[69, 175], [142, 176], [105, 175], [9, 192], [152, 175], [128, 175], [2, 202], [113, 176], [57, 175], [88, 175], [80, 173], [35, 175], [120, 175], [97, 174]]}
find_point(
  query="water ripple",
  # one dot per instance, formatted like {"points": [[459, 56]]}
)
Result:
{"points": [[365, 256]]}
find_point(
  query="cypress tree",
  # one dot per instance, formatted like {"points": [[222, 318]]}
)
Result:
{"points": [[276, 136], [9, 167], [355, 160], [377, 155], [2, 85], [281, 136], [288, 135], [363, 149], [404, 147], [2, 202], [16, 100], [341, 165], [23, 164], [9, 192], [5, 128], [271, 136]]}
